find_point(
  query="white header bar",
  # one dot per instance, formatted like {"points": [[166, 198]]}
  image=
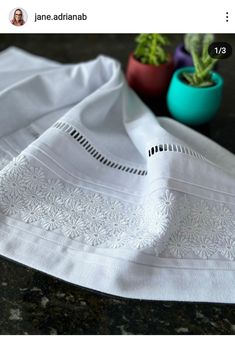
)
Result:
{"points": [[112, 16]]}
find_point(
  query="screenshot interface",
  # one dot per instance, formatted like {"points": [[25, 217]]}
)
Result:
{"points": [[117, 167]]}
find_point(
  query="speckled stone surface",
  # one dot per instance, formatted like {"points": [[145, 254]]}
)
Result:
{"points": [[35, 303]]}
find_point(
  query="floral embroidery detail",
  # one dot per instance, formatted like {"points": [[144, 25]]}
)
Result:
{"points": [[158, 225], [200, 212], [54, 219], [141, 240], [115, 206], [135, 216], [230, 228], [34, 178], [183, 206], [221, 215], [204, 247], [166, 203], [167, 223], [190, 228], [214, 231], [73, 227], [227, 248], [54, 188], [33, 214], [72, 206], [179, 246], [93, 201], [32, 198], [118, 241], [96, 235], [94, 216], [13, 184], [72, 194], [16, 166], [11, 205], [116, 224]]}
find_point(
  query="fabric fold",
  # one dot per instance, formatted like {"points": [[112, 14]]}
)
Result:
{"points": [[98, 191]]}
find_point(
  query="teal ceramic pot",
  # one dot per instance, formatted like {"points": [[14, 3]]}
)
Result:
{"points": [[193, 105]]}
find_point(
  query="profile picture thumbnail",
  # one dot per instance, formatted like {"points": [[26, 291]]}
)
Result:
{"points": [[18, 17]]}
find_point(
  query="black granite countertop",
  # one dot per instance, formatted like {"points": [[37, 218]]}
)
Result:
{"points": [[34, 303]]}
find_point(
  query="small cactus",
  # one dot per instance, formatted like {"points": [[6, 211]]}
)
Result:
{"points": [[150, 49], [197, 45]]}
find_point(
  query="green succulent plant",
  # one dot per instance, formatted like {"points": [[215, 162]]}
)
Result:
{"points": [[150, 48], [197, 45]]}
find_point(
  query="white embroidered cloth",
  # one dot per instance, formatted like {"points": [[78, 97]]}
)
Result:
{"points": [[95, 190]]}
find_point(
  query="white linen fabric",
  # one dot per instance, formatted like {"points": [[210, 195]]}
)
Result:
{"points": [[96, 190]]}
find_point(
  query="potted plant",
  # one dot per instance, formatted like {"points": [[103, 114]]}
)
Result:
{"points": [[182, 55], [150, 67], [195, 93]]}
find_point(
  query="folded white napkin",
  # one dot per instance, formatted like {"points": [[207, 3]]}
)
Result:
{"points": [[95, 190]]}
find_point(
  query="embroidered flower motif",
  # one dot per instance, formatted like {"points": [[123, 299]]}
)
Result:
{"points": [[53, 202], [20, 162], [227, 248], [116, 224], [94, 216], [157, 225], [184, 206], [95, 235], [33, 214], [204, 247], [72, 194], [73, 207], [141, 240], [221, 215], [213, 231], [200, 212], [118, 241], [33, 198], [135, 216], [16, 166], [230, 227], [34, 178], [92, 201], [205, 229], [179, 246], [11, 205], [13, 184], [54, 188], [190, 228], [114, 207], [166, 203], [54, 220], [73, 227]]}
